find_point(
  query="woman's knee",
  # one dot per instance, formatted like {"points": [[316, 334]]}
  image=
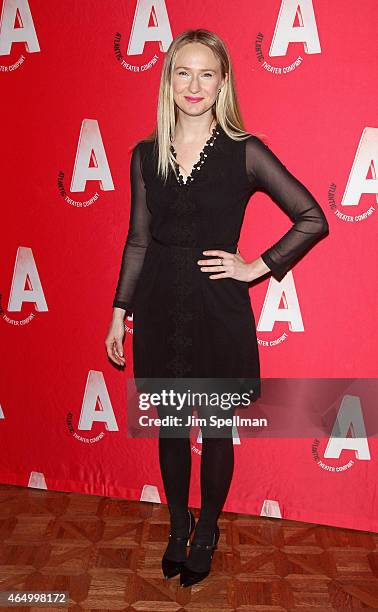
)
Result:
{"points": [[216, 422], [174, 423]]}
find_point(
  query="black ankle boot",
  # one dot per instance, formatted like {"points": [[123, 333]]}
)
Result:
{"points": [[200, 554], [175, 553]]}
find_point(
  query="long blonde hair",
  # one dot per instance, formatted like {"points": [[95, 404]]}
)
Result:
{"points": [[226, 110]]}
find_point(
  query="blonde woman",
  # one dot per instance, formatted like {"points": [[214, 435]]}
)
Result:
{"points": [[182, 274]]}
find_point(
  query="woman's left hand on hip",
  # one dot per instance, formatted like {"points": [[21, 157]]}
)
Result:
{"points": [[229, 265]]}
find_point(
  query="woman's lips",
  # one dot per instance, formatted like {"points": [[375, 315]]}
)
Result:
{"points": [[194, 100]]}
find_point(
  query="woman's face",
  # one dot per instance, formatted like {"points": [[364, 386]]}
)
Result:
{"points": [[196, 78]]}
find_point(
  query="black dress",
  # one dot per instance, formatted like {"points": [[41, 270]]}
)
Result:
{"points": [[185, 324]]}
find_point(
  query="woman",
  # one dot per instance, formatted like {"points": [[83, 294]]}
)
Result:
{"points": [[190, 183]]}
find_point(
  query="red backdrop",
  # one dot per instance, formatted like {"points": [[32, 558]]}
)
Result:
{"points": [[80, 83]]}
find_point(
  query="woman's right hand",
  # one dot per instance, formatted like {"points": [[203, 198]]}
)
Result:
{"points": [[114, 340]]}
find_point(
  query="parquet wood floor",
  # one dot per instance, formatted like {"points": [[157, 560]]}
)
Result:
{"points": [[106, 552]]}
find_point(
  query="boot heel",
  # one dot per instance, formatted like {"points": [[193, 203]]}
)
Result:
{"points": [[188, 577], [171, 567]]}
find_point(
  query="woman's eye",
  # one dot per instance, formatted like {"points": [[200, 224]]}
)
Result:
{"points": [[207, 74]]}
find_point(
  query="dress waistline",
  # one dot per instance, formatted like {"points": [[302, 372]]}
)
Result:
{"points": [[218, 245]]}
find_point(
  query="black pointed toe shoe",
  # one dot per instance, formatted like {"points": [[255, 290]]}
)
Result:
{"points": [[175, 553], [198, 564]]}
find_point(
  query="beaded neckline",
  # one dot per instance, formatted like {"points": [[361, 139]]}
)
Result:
{"points": [[202, 158]]}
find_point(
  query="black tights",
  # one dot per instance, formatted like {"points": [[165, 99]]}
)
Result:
{"points": [[217, 465]]}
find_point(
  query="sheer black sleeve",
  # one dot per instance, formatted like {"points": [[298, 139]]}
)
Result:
{"points": [[138, 236], [268, 174]]}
